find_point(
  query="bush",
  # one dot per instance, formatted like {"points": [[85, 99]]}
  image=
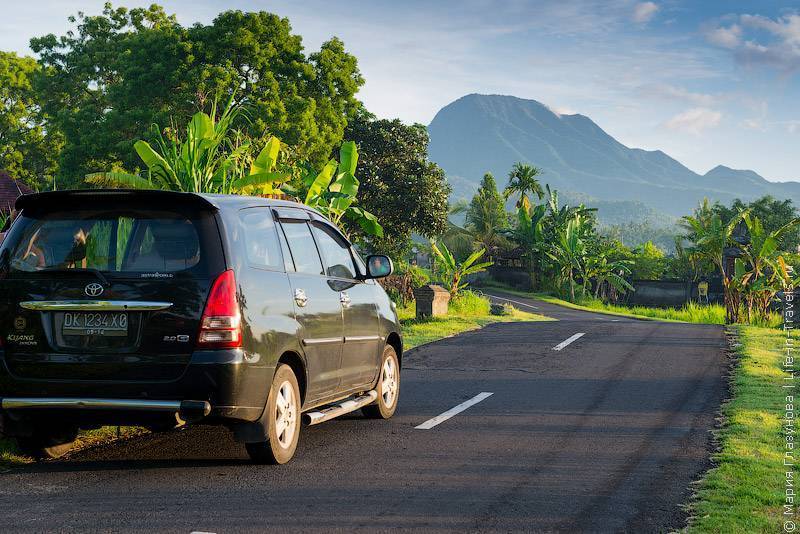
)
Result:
{"points": [[401, 284], [502, 309], [419, 276], [469, 303]]}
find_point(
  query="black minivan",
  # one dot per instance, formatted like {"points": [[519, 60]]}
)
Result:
{"points": [[157, 309]]}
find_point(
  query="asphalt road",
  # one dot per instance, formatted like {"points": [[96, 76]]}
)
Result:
{"points": [[605, 434]]}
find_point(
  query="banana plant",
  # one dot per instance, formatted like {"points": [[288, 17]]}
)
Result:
{"points": [[603, 271], [333, 190], [455, 272], [764, 263], [529, 233], [210, 158], [567, 253], [710, 236]]}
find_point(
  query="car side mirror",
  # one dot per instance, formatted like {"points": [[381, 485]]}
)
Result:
{"points": [[379, 266]]}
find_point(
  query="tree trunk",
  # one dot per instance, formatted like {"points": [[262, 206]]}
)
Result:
{"points": [[571, 288]]}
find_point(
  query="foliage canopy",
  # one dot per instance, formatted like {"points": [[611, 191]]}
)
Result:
{"points": [[105, 83]]}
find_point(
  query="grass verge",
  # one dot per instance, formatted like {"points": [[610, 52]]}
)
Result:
{"points": [[691, 313], [462, 318], [744, 492]]}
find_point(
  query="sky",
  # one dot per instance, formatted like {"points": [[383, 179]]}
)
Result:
{"points": [[708, 82]]}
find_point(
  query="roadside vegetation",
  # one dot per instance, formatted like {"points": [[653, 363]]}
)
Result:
{"points": [[253, 113], [691, 312], [744, 491], [468, 311]]}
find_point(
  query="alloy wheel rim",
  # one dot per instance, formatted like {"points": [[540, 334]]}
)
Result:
{"points": [[285, 414], [389, 382]]}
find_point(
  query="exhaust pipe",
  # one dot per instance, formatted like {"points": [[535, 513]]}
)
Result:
{"points": [[336, 409]]}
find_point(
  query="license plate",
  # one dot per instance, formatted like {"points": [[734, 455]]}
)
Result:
{"points": [[95, 324]]}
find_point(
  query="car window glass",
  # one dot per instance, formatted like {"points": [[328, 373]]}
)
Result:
{"points": [[304, 250], [360, 265], [335, 251], [288, 262], [107, 242], [260, 239]]}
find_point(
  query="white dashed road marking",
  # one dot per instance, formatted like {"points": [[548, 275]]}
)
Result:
{"points": [[569, 340], [455, 410]]}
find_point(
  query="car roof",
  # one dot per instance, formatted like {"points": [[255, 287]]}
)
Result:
{"points": [[199, 200], [242, 201]]}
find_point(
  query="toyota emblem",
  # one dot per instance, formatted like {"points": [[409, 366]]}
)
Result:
{"points": [[93, 290]]}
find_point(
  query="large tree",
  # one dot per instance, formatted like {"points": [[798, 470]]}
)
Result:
{"points": [[486, 217], [27, 152], [107, 82], [399, 185], [488, 203], [772, 213]]}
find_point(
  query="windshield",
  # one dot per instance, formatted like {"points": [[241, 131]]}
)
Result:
{"points": [[133, 241]]}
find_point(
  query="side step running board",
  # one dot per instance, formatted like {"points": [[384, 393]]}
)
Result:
{"points": [[336, 409]]}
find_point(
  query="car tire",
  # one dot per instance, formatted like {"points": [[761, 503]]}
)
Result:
{"points": [[388, 387], [282, 418], [48, 445]]}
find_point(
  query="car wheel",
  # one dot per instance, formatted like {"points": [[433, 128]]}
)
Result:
{"points": [[388, 387], [283, 419], [47, 445]]}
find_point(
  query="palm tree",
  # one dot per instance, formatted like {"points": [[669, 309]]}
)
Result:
{"points": [[522, 181], [710, 237]]}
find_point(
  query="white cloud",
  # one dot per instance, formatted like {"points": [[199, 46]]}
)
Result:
{"points": [[754, 124], [792, 126], [694, 120], [561, 110], [671, 92], [725, 37], [644, 11], [759, 40]]}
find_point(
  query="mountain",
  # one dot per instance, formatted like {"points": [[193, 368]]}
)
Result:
{"points": [[480, 133]]}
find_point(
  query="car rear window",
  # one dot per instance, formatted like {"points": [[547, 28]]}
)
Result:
{"points": [[117, 241]]}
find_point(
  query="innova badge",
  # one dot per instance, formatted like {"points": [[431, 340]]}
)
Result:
{"points": [[93, 290]]}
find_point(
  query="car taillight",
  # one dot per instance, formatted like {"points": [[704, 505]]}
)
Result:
{"points": [[220, 327]]}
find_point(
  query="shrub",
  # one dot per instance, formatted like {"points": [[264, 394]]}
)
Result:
{"points": [[502, 309], [469, 303], [400, 285]]}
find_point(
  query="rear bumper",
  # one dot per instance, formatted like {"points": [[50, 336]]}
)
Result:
{"points": [[188, 410], [216, 385]]}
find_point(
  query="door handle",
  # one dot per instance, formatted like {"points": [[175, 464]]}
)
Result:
{"points": [[300, 297], [344, 298]]}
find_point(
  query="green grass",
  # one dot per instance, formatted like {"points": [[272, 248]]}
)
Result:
{"points": [[744, 492], [469, 313], [690, 313]]}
